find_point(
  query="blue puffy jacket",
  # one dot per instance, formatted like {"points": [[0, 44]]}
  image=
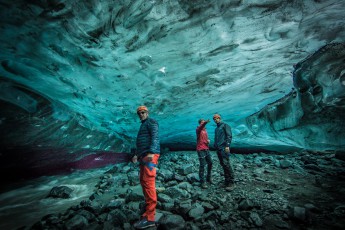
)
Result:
{"points": [[148, 137], [222, 136]]}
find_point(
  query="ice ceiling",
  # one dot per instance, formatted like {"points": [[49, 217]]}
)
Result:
{"points": [[73, 72]]}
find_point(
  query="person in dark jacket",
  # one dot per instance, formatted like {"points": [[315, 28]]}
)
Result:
{"points": [[203, 152], [148, 152], [222, 141]]}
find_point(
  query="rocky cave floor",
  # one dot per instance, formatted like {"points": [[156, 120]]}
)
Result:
{"points": [[302, 190]]}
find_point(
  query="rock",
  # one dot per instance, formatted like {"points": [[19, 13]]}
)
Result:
{"points": [[127, 226], [158, 216], [202, 209], [160, 189], [258, 162], [193, 177], [174, 159], [308, 159], [196, 212], [207, 206], [88, 215], [164, 198], [299, 213], [312, 208], [268, 190], [117, 217], [186, 169], [185, 186], [167, 175], [192, 226], [212, 215], [285, 164], [277, 163], [171, 183], [135, 194], [282, 225], [103, 185], [245, 205], [340, 154], [168, 206], [135, 206], [115, 204], [52, 219], [312, 167], [175, 193], [256, 219], [125, 169], [210, 224], [340, 211], [223, 217], [60, 192], [133, 178], [94, 196], [179, 178], [76, 222], [183, 207], [172, 222]]}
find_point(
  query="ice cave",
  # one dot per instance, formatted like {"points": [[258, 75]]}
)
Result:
{"points": [[73, 73]]}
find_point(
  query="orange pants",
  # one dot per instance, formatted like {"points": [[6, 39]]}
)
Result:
{"points": [[148, 184]]}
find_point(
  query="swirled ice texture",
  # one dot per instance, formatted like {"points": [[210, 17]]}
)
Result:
{"points": [[73, 72]]}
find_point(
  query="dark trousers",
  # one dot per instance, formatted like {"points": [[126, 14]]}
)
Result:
{"points": [[224, 161], [204, 157]]}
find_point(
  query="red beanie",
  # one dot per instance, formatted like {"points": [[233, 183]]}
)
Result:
{"points": [[216, 116], [142, 107]]}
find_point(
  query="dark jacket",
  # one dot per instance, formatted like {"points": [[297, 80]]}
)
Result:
{"points": [[148, 137], [222, 136]]}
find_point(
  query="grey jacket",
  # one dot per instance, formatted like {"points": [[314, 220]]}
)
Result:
{"points": [[222, 136]]}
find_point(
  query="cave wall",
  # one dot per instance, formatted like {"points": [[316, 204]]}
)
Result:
{"points": [[312, 114]]}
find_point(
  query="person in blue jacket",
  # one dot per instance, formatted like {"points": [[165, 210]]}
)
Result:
{"points": [[148, 152]]}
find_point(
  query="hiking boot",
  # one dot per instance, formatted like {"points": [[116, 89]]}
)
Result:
{"points": [[204, 185], [144, 223]]}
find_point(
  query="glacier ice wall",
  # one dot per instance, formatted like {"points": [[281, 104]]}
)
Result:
{"points": [[312, 114], [73, 72]]}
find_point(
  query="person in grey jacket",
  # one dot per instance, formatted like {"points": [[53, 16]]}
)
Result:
{"points": [[222, 141]]}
